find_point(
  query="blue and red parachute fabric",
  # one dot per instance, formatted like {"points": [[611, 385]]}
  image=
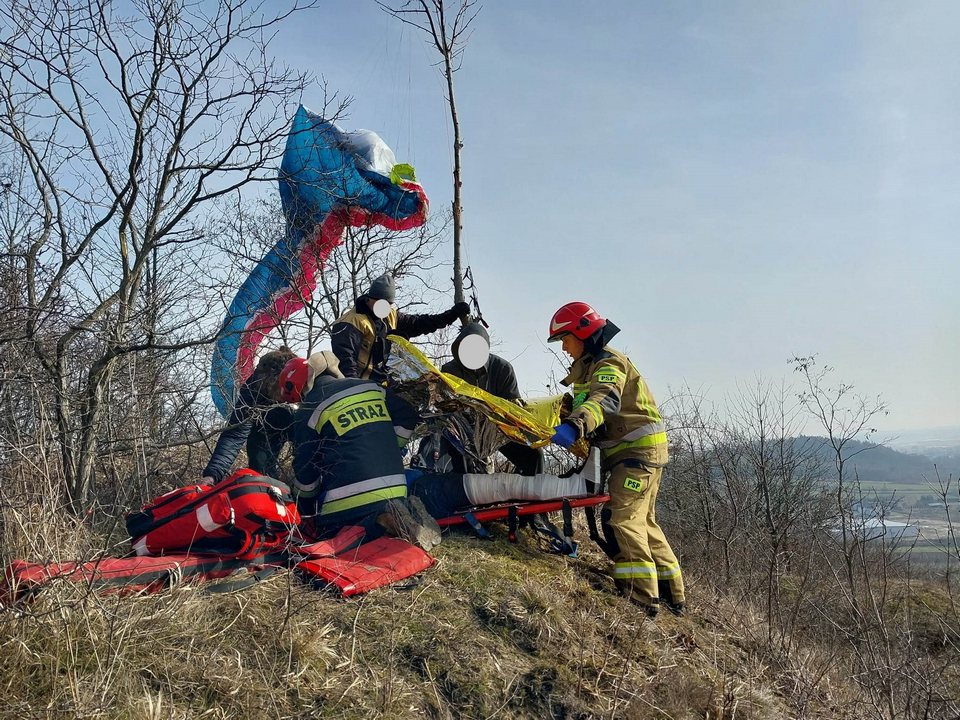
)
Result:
{"points": [[330, 180]]}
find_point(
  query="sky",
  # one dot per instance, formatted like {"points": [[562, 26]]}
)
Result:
{"points": [[732, 183]]}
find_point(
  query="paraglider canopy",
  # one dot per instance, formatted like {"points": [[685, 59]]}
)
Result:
{"points": [[330, 179]]}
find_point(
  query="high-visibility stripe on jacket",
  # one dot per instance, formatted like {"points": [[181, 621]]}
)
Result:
{"points": [[613, 406], [347, 459], [364, 361]]}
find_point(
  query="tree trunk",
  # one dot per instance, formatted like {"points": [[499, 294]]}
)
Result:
{"points": [[457, 208]]}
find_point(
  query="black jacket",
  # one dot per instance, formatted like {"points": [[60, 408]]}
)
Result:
{"points": [[497, 376], [259, 421], [347, 460], [346, 338]]}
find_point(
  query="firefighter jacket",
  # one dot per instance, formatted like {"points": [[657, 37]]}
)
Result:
{"points": [[359, 338], [347, 460], [613, 406]]}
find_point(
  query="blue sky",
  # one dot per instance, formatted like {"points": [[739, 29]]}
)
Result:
{"points": [[732, 183]]}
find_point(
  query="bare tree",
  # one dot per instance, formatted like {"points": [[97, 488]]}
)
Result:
{"points": [[448, 27], [129, 122], [246, 232]]}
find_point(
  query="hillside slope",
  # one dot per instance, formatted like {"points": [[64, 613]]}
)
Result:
{"points": [[494, 630]]}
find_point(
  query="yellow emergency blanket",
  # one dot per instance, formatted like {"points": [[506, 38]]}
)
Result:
{"points": [[530, 425]]}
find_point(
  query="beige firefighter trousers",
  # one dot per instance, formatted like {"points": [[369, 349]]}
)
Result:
{"points": [[643, 559]]}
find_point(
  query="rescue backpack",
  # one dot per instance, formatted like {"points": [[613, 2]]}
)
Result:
{"points": [[241, 516]]}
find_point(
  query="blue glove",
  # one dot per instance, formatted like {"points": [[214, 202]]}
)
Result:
{"points": [[565, 435]]}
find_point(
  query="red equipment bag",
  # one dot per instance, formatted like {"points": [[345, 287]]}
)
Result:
{"points": [[360, 569], [242, 516], [125, 576]]}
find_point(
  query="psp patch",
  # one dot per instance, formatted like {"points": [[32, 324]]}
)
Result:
{"points": [[606, 378], [635, 485]]}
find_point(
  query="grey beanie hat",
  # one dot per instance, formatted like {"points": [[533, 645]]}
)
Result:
{"points": [[383, 289]]}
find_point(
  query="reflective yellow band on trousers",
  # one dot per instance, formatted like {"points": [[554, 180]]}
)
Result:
{"points": [[642, 431], [668, 572], [634, 569], [367, 498]]}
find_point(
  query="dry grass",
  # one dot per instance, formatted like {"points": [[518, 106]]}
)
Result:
{"points": [[494, 630]]}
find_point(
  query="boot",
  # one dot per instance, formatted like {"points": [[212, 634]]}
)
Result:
{"points": [[677, 609], [409, 520], [666, 598]]}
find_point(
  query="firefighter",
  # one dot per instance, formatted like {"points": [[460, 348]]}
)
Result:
{"points": [[347, 462], [349, 470], [614, 410], [359, 337]]}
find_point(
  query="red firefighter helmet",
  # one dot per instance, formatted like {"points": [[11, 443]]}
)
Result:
{"points": [[293, 378], [577, 318]]}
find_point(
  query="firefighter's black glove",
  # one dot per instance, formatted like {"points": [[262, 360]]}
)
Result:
{"points": [[461, 309]]}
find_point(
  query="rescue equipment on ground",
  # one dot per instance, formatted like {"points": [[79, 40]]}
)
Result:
{"points": [[383, 561], [512, 512], [344, 563], [131, 575], [242, 516]]}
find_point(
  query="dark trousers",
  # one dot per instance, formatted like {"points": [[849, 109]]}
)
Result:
{"points": [[442, 494]]}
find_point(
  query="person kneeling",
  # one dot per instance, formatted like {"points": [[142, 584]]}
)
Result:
{"points": [[349, 467]]}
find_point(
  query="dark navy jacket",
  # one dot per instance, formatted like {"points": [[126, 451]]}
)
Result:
{"points": [[348, 462]]}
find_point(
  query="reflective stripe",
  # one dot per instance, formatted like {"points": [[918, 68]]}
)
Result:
{"points": [[648, 441], [580, 387], [306, 491], [355, 410], [403, 435], [668, 572], [634, 569], [642, 431], [377, 483], [205, 519], [355, 390], [398, 491], [594, 410], [645, 402]]}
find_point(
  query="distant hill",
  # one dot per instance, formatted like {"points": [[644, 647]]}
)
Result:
{"points": [[886, 465]]}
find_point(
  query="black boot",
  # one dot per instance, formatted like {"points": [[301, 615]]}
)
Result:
{"points": [[666, 597]]}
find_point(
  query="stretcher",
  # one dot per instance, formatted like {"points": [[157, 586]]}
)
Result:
{"points": [[512, 512], [130, 575]]}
